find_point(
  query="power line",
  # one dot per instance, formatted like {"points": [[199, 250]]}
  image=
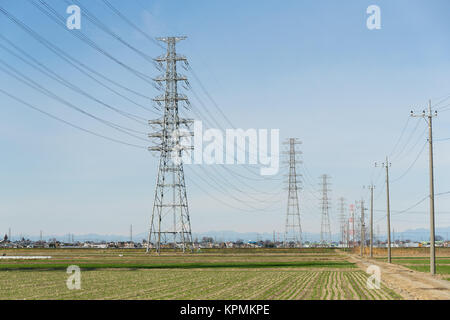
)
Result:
{"points": [[221, 201], [220, 111], [73, 61], [400, 137], [198, 113], [131, 24], [53, 75], [29, 82], [412, 164], [407, 141], [240, 191], [91, 17], [69, 123], [238, 200], [413, 147], [60, 21]]}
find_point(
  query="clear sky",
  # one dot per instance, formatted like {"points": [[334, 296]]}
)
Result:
{"points": [[309, 68]]}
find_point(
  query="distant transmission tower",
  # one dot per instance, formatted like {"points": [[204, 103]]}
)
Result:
{"points": [[170, 215], [293, 230], [342, 219], [325, 229], [352, 224]]}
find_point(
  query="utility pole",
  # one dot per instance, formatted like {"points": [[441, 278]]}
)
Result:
{"points": [[170, 215], [371, 220], [386, 165], [352, 222], [429, 118], [388, 211], [348, 233], [325, 229], [371, 187], [293, 228], [363, 226], [378, 235]]}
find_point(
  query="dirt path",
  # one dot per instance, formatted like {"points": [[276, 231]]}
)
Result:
{"points": [[408, 283]]}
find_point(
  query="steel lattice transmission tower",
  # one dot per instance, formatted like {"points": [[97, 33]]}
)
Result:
{"points": [[325, 229], [293, 229], [342, 219], [170, 216]]}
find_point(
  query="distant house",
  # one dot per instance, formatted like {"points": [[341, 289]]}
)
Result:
{"points": [[229, 244], [129, 245], [95, 245]]}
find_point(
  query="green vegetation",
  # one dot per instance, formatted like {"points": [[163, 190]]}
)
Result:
{"points": [[422, 262], [132, 274], [90, 266], [440, 269], [404, 261]]}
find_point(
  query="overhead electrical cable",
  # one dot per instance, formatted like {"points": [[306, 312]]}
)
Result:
{"points": [[69, 123]]}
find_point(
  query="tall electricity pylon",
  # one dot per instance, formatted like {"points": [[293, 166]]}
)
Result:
{"points": [[342, 219], [352, 224], [325, 229], [170, 215], [293, 229]]}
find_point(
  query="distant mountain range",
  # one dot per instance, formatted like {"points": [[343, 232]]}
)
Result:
{"points": [[414, 235]]}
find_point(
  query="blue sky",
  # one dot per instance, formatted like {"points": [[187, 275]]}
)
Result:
{"points": [[309, 68]]}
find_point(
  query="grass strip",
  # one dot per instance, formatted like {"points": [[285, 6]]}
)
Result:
{"points": [[440, 269], [92, 266]]}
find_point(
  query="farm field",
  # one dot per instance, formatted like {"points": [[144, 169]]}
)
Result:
{"points": [[423, 265], [418, 259], [116, 274]]}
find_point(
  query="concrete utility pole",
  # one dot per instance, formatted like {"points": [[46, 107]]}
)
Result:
{"points": [[378, 235], [363, 226], [388, 211], [371, 220], [386, 165], [352, 218], [429, 118]]}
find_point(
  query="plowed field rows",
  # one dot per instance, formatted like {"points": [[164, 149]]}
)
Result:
{"points": [[290, 275]]}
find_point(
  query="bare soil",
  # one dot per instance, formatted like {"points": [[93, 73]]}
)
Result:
{"points": [[408, 283]]}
